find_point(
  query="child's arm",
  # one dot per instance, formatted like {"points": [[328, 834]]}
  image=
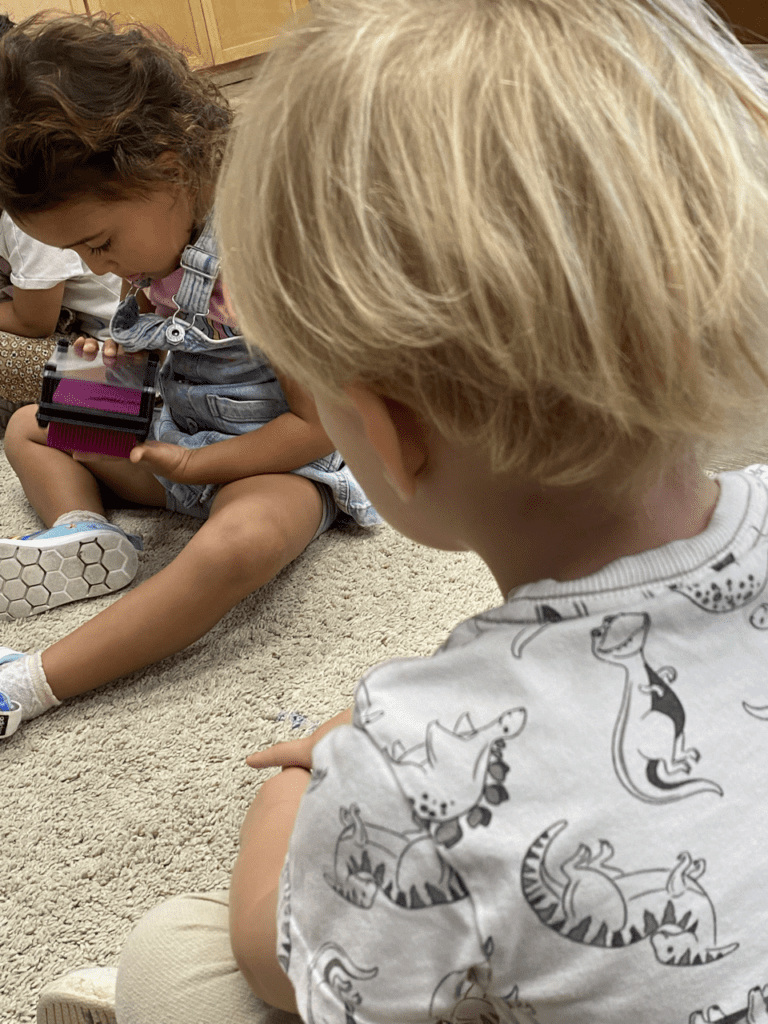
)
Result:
{"points": [[297, 753], [264, 838], [253, 890], [285, 443], [32, 313]]}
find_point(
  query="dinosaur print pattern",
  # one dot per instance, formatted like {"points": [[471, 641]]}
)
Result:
{"points": [[755, 1012], [284, 922], [648, 750], [452, 777], [456, 774], [332, 972], [533, 621], [404, 867], [756, 711], [546, 616], [597, 904], [724, 591], [468, 991]]}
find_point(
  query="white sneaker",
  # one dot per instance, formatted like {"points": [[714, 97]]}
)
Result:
{"points": [[65, 563], [10, 711], [85, 996]]}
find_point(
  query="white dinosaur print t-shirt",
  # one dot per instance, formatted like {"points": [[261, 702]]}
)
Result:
{"points": [[558, 818]]}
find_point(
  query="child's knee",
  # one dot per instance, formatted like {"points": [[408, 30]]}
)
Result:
{"points": [[175, 962], [247, 547], [23, 429]]}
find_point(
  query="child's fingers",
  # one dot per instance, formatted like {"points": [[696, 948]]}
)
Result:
{"points": [[169, 460], [111, 351], [293, 753], [87, 348], [95, 457]]}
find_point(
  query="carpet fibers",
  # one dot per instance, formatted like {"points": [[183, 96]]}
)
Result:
{"points": [[128, 795]]}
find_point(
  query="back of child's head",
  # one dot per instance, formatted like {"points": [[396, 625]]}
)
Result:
{"points": [[543, 223], [90, 110]]}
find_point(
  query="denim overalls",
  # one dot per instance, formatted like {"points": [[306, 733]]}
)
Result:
{"points": [[213, 389]]}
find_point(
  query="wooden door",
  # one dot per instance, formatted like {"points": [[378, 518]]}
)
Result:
{"points": [[241, 28], [182, 19], [209, 31], [749, 18], [17, 10]]}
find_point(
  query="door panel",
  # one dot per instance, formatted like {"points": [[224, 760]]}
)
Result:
{"points": [[241, 28], [181, 19]]}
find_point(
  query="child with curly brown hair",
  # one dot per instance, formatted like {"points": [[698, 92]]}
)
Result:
{"points": [[110, 147], [42, 290]]}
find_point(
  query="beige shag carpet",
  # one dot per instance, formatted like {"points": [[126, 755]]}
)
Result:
{"points": [[134, 793]]}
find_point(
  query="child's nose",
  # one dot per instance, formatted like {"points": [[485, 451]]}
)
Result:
{"points": [[100, 264]]}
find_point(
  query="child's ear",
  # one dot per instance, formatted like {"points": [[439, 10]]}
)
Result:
{"points": [[397, 435]]}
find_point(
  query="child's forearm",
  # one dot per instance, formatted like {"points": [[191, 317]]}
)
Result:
{"points": [[264, 839], [285, 443], [29, 323]]}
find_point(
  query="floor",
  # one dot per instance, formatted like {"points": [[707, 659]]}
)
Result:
{"points": [[234, 79]]}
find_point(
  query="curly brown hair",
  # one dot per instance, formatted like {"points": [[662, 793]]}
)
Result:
{"points": [[89, 108]]}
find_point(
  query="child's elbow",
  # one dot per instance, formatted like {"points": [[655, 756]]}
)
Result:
{"points": [[42, 328], [253, 938], [27, 323], [264, 975]]}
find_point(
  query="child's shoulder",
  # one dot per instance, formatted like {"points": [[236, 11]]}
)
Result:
{"points": [[686, 588], [33, 260]]}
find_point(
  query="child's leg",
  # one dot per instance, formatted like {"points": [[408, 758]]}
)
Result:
{"points": [[55, 483], [264, 838], [79, 554], [257, 526], [177, 967]]}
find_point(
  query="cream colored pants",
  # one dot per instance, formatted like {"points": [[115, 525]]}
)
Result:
{"points": [[177, 968]]}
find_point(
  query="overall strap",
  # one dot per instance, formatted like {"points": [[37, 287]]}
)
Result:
{"points": [[201, 264]]}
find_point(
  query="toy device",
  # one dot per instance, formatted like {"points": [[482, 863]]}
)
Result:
{"points": [[92, 407]]}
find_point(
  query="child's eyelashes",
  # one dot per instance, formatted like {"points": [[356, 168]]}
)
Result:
{"points": [[101, 248]]}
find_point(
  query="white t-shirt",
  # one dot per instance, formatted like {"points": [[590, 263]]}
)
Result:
{"points": [[563, 809], [33, 266]]}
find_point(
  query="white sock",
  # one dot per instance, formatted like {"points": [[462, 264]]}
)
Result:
{"points": [[79, 515], [23, 680]]}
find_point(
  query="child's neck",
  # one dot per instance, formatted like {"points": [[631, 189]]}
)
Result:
{"points": [[529, 534]]}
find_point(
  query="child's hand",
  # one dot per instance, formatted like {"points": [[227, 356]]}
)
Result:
{"points": [[168, 460], [296, 753], [88, 348]]}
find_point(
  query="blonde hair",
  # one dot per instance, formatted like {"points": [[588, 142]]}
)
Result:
{"points": [[541, 223]]}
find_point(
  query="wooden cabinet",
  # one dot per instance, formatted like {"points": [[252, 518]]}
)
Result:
{"points": [[240, 28], [211, 31], [749, 18], [182, 19], [17, 10]]}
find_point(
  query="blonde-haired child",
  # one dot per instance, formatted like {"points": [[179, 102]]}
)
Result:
{"points": [[517, 251]]}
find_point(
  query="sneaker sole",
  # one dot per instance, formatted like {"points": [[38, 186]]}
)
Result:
{"points": [[35, 578], [58, 1012]]}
